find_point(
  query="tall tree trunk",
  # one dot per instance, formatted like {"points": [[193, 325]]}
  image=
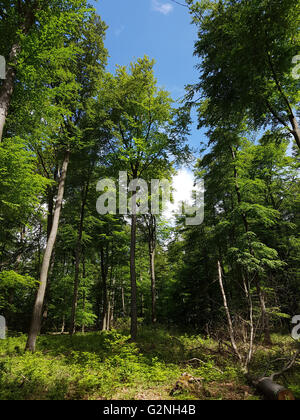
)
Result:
{"points": [[104, 325], [247, 289], [123, 302], [83, 308], [112, 305], [111, 302], [151, 226], [38, 306], [38, 268], [11, 292], [77, 262], [84, 293], [108, 324], [133, 329], [153, 281], [153, 285], [142, 305], [51, 194], [99, 303], [265, 316], [229, 320]]}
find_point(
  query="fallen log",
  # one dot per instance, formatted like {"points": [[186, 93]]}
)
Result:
{"points": [[273, 391], [270, 389]]}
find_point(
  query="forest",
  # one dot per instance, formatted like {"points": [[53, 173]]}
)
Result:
{"points": [[105, 294]]}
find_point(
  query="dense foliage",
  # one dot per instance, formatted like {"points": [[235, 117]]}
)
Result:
{"points": [[66, 123]]}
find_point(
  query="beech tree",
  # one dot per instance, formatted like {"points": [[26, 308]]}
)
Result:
{"points": [[75, 84], [146, 130], [30, 31], [246, 50]]}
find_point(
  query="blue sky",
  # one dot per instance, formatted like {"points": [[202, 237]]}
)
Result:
{"points": [[160, 29]]}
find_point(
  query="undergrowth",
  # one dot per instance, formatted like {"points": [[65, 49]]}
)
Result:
{"points": [[106, 366]]}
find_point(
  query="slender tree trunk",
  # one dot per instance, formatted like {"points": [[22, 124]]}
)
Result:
{"points": [[38, 268], [265, 316], [84, 293], [247, 289], [83, 308], [112, 309], [50, 211], [123, 302], [75, 290], [99, 304], [153, 282], [63, 325], [11, 293], [142, 305], [151, 224], [77, 262], [104, 326], [51, 195], [108, 324], [111, 300], [133, 329], [38, 306], [230, 325]]}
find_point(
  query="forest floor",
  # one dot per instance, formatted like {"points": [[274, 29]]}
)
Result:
{"points": [[104, 366]]}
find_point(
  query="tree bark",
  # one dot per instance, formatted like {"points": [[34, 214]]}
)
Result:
{"points": [[142, 304], [38, 306], [269, 388], [152, 249], [265, 316], [247, 289], [104, 326], [84, 293], [50, 211], [273, 391], [123, 302], [77, 262], [153, 284], [133, 329], [230, 325], [296, 129], [111, 301]]}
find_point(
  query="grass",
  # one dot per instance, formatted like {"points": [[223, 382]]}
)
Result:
{"points": [[97, 366]]}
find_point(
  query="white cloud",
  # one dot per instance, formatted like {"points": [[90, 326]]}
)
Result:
{"points": [[183, 186], [164, 8]]}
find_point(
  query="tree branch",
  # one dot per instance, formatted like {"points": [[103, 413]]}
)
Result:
{"points": [[278, 118]]}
